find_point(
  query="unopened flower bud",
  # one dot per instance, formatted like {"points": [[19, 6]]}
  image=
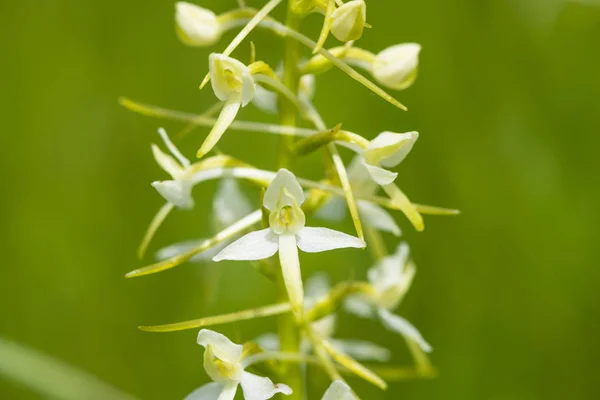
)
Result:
{"points": [[348, 21], [196, 26], [396, 67]]}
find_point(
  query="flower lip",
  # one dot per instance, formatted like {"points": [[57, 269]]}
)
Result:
{"points": [[231, 78], [196, 26], [396, 67]]}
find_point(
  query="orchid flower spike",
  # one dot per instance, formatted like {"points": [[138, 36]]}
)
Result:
{"points": [[232, 83], [286, 233], [348, 21], [223, 362], [177, 191], [397, 66], [196, 26], [390, 279], [339, 390]]}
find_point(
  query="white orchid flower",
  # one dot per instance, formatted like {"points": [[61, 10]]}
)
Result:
{"points": [[196, 26], [339, 390], [232, 83], [177, 191], [230, 205], [371, 214], [287, 232], [348, 21], [317, 286], [390, 278], [397, 66], [389, 149], [223, 362]]}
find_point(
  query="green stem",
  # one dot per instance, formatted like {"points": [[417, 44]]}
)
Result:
{"points": [[289, 331]]}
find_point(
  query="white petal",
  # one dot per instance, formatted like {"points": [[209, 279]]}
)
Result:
{"points": [[196, 26], [396, 67], [261, 388], [268, 341], [222, 347], [358, 306], [362, 350], [389, 270], [376, 216], [173, 149], [228, 392], [265, 100], [360, 177], [275, 196], [402, 326], [348, 21], [228, 114], [316, 240], [381, 176], [290, 269], [166, 162], [254, 246], [210, 391], [229, 204], [390, 149], [230, 78], [339, 390], [334, 209], [178, 193]]}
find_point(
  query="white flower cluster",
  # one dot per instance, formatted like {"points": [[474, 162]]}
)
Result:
{"points": [[279, 224]]}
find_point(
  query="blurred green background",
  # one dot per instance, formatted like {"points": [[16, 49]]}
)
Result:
{"points": [[507, 104]]}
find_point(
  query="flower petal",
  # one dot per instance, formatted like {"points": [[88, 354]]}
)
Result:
{"points": [[317, 286], [268, 341], [338, 390], [333, 210], [290, 269], [178, 193], [402, 326], [222, 347], [210, 391], [275, 196], [254, 246], [390, 149], [261, 388], [380, 175], [230, 203], [359, 306], [362, 350], [316, 240], [166, 162], [228, 113], [378, 217]]}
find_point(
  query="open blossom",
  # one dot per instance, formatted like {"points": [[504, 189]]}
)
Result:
{"points": [[397, 66], [223, 362], [287, 233], [232, 83], [390, 278], [177, 191], [196, 26], [348, 21], [339, 390]]}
